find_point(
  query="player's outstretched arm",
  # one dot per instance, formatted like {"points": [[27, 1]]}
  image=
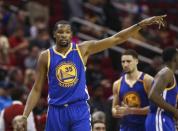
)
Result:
{"points": [[35, 93], [161, 81], [94, 46]]}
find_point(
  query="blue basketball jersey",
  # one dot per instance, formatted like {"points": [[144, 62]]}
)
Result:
{"points": [[158, 119], [66, 77], [170, 96], [135, 96]]}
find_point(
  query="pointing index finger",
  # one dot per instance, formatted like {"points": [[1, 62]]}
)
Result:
{"points": [[163, 16]]}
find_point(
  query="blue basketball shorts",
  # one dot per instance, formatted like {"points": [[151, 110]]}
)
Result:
{"points": [[133, 127], [69, 117], [159, 122]]}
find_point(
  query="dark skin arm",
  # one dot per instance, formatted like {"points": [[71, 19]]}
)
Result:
{"points": [[35, 93], [88, 48], [161, 81]]}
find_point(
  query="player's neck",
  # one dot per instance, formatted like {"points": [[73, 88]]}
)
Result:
{"points": [[134, 75], [62, 50]]}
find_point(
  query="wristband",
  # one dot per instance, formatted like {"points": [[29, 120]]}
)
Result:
{"points": [[138, 24]]}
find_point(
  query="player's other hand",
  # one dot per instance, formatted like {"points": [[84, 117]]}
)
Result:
{"points": [[19, 123], [176, 114], [120, 112], [158, 20]]}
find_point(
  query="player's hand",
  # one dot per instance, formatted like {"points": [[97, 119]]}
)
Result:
{"points": [[19, 123], [158, 20], [176, 114], [120, 112]]}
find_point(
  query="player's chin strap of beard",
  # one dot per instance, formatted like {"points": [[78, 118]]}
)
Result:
{"points": [[65, 45]]}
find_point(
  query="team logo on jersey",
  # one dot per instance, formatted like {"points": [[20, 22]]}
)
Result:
{"points": [[66, 73], [132, 99]]}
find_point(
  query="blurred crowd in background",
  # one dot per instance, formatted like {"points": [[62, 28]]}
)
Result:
{"points": [[26, 29]]}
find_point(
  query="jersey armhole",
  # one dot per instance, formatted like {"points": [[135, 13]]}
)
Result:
{"points": [[171, 87], [145, 85], [48, 61], [119, 86], [78, 50]]}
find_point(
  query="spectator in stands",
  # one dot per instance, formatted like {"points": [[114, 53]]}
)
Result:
{"points": [[3, 73], [92, 15], [18, 17], [16, 77], [99, 121], [97, 102], [166, 38], [98, 126], [4, 57], [4, 49], [99, 115], [154, 67], [112, 16], [17, 107], [94, 73], [75, 8], [43, 40], [18, 47], [38, 23], [29, 78], [107, 88], [5, 15], [41, 121], [5, 90], [31, 59]]}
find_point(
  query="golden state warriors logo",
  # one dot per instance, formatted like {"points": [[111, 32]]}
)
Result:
{"points": [[66, 73], [132, 99]]}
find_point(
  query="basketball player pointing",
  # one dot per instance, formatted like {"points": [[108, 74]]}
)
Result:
{"points": [[64, 65]]}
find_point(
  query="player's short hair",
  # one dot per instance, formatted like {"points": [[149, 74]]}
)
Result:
{"points": [[168, 54], [62, 22], [131, 52]]}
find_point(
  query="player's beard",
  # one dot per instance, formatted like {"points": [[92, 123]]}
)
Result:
{"points": [[129, 71], [64, 43]]}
